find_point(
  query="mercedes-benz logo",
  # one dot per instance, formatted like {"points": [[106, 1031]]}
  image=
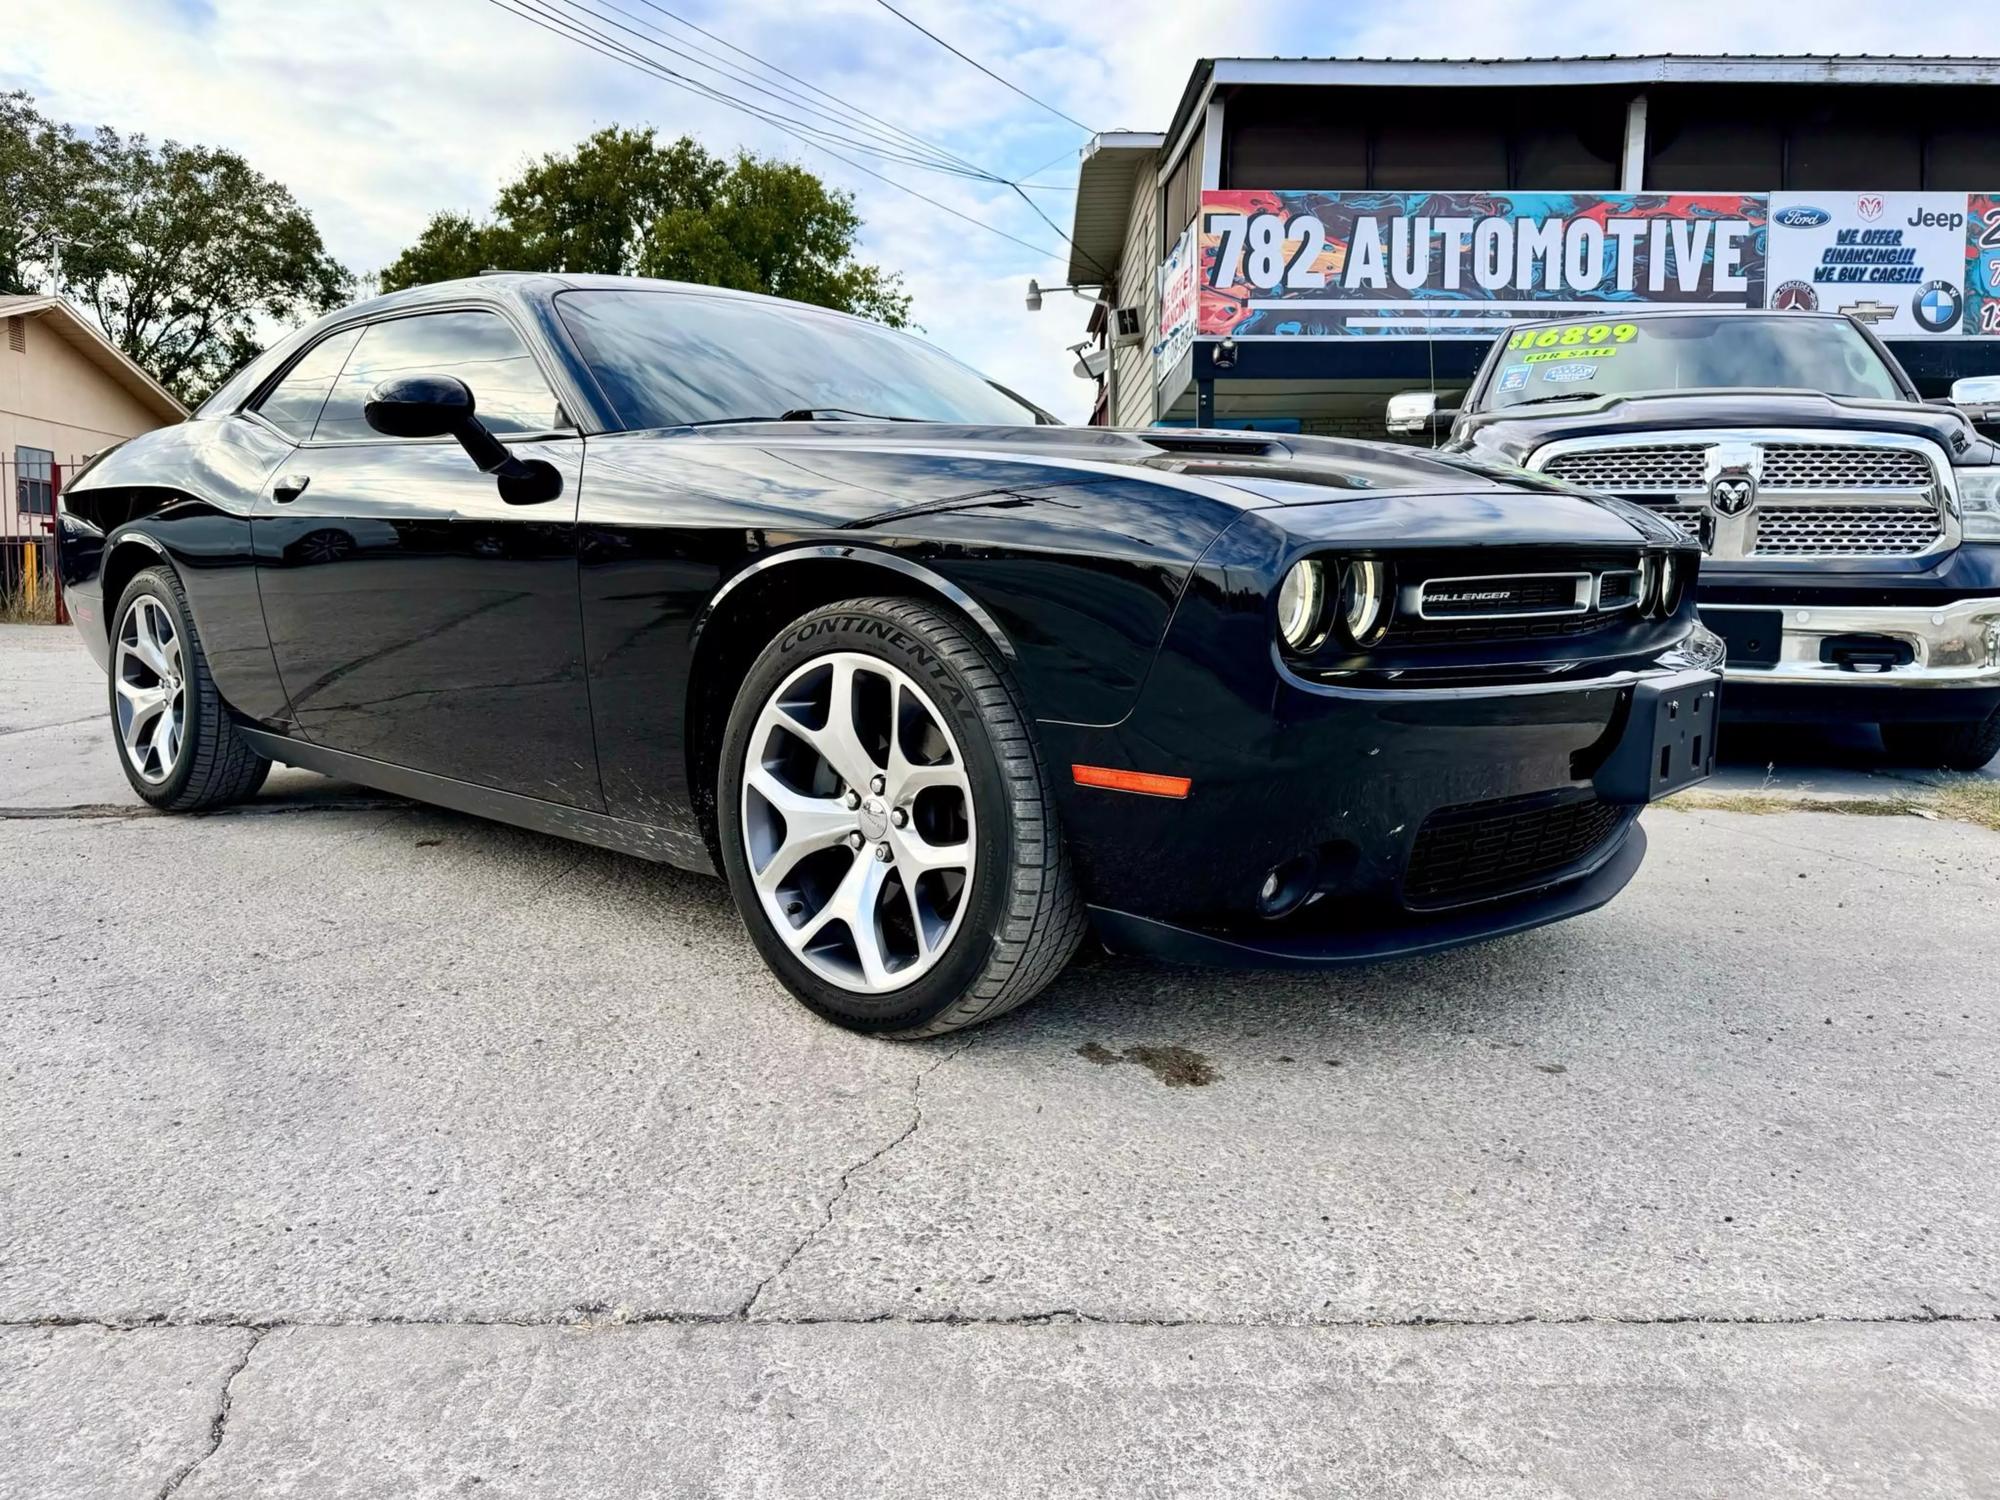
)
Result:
{"points": [[1732, 494]]}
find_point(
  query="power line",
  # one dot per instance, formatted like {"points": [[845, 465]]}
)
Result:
{"points": [[773, 68], [983, 68], [901, 143], [963, 167], [765, 112], [572, 31]]}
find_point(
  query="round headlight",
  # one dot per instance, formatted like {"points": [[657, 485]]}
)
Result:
{"points": [[1649, 582], [1673, 580], [1361, 600], [1301, 603]]}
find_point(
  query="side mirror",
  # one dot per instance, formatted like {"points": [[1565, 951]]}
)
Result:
{"points": [[1976, 390], [1418, 411], [428, 406]]}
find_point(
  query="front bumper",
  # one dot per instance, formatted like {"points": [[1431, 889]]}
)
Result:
{"points": [[1392, 802], [1952, 672], [1272, 947]]}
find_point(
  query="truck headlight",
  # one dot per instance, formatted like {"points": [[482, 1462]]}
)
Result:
{"points": [[1302, 605], [1979, 503]]}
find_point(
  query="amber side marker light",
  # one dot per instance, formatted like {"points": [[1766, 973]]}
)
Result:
{"points": [[1146, 783]]}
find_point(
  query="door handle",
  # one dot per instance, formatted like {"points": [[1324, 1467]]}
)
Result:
{"points": [[288, 489]]}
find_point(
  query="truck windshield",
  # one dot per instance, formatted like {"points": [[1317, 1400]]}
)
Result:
{"points": [[1605, 357], [669, 358]]}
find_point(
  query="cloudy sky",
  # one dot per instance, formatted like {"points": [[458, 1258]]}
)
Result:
{"points": [[378, 113]]}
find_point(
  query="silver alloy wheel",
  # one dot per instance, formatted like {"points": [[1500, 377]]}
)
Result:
{"points": [[152, 689], [858, 822]]}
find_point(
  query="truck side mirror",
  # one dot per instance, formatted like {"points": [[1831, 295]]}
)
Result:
{"points": [[1418, 412], [1978, 396]]}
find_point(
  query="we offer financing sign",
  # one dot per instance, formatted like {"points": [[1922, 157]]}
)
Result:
{"points": [[1895, 260]]}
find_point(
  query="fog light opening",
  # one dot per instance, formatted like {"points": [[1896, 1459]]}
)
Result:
{"points": [[1286, 886]]}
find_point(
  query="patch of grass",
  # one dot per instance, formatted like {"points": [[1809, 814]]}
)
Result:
{"points": [[19, 607], [1961, 799]]}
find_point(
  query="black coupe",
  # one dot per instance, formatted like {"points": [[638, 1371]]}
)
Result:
{"points": [[744, 585]]}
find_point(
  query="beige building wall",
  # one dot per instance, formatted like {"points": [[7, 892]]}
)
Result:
{"points": [[54, 398], [1138, 286]]}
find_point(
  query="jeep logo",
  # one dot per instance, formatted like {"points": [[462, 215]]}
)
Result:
{"points": [[1923, 218]]}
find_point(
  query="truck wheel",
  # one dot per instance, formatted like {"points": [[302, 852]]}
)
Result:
{"points": [[1950, 747], [176, 741], [887, 826]]}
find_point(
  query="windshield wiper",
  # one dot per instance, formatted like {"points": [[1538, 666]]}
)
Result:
{"points": [[1542, 400], [808, 414]]}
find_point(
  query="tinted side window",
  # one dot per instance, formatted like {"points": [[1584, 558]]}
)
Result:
{"points": [[480, 348], [294, 402]]}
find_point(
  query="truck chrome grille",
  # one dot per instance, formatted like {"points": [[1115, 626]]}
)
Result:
{"points": [[1875, 496], [1848, 531], [1661, 469], [1826, 466]]}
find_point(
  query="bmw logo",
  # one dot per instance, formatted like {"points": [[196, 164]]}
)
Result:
{"points": [[1937, 306]]}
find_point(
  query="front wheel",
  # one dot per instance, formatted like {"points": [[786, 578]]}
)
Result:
{"points": [[886, 824], [176, 741], [1948, 747]]}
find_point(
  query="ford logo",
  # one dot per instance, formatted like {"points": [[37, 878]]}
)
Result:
{"points": [[1803, 217]]}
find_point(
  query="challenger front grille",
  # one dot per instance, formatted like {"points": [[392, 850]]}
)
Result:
{"points": [[1483, 849], [1882, 495]]}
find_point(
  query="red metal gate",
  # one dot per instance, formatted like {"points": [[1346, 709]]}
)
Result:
{"points": [[30, 582]]}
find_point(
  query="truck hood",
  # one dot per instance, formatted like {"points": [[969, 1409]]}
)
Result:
{"points": [[1512, 437]]}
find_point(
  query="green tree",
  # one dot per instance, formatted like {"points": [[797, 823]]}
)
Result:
{"points": [[45, 168], [184, 254], [622, 203]]}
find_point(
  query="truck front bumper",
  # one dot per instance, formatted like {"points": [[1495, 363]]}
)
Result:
{"points": [[1943, 663]]}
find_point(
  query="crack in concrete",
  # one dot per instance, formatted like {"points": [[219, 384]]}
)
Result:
{"points": [[220, 1421], [122, 812], [1040, 1319], [748, 1311]]}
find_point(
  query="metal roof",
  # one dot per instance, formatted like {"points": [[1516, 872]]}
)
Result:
{"points": [[90, 341], [1112, 163], [1579, 71]]}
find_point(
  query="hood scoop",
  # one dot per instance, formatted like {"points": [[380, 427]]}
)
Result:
{"points": [[1216, 445]]}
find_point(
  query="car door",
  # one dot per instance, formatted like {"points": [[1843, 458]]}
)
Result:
{"points": [[415, 616]]}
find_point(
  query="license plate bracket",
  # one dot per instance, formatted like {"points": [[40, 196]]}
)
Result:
{"points": [[1754, 636], [1669, 739]]}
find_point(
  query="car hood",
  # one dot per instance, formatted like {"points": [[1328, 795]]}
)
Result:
{"points": [[1512, 437], [1247, 470]]}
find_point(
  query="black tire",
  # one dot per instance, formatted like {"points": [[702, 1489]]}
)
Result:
{"points": [[1023, 917], [214, 766], [1947, 747]]}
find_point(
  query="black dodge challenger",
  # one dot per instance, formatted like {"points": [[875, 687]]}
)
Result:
{"points": [[937, 683]]}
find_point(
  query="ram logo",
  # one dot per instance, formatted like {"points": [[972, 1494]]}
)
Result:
{"points": [[1732, 493]]}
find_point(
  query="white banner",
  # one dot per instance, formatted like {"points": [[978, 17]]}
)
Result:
{"points": [[1177, 305], [1895, 261]]}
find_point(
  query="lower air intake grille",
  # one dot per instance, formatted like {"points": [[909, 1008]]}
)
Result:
{"points": [[1490, 848]]}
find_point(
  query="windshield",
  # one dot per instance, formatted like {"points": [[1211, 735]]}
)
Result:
{"points": [[1602, 357], [666, 359]]}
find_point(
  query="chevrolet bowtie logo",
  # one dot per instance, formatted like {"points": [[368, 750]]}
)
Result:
{"points": [[1868, 312]]}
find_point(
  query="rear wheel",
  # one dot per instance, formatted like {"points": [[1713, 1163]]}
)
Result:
{"points": [[886, 825], [176, 741], [1949, 747]]}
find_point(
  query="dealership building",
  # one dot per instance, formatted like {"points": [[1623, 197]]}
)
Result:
{"points": [[1309, 236]]}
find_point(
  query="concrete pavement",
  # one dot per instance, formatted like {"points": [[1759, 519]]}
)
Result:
{"points": [[351, 1148]]}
